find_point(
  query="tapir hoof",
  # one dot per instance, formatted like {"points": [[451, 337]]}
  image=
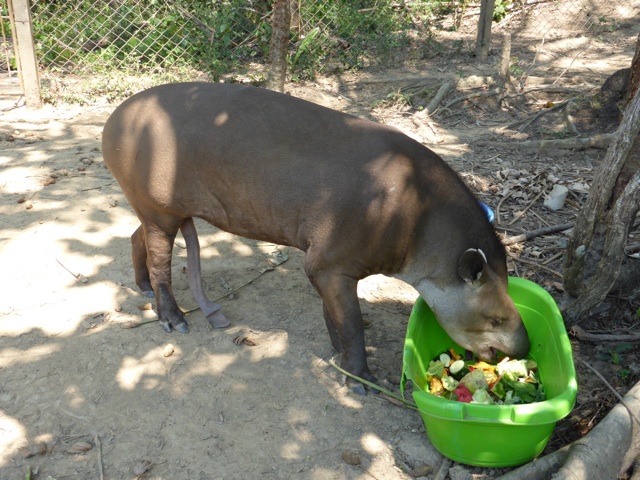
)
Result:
{"points": [[218, 320], [359, 388], [181, 327], [166, 326]]}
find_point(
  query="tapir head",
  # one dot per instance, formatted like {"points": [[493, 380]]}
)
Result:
{"points": [[476, 310]]}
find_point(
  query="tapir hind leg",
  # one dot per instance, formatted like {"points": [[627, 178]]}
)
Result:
{"points": [[159, 249], [211, 310], [139, 257]]}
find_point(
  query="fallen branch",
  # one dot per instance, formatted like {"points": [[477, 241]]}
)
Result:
{"points": [[541, 89], [442, 91], [486, 93], [96, 440], [613, 390], [78, 276], [542, 112], [523, 237], [603, 337], [521, 213], [601, 141], [534, 264]]}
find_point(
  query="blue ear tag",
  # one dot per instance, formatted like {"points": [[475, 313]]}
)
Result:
{"points": [[488, 212]]}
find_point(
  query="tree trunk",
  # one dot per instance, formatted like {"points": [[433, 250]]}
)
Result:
{"points": [[279, 46], [483, 38], [596, 248]]}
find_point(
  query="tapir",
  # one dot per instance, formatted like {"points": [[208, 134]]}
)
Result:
{"points": [[359, 198]]}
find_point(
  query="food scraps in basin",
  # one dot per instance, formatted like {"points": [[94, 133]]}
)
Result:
{"points": [[509, 382]]}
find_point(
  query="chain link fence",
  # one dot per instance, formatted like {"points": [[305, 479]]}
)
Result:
{"points": [[164, 40], [85, 36], [538, 20]]}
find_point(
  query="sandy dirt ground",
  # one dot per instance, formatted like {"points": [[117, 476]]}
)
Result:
{"points": [[81, 394]]}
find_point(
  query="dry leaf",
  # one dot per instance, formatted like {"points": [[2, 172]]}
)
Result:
{"points": [[79, 447], [146, 306], [34, 449], [351, 458], [244, 340]]}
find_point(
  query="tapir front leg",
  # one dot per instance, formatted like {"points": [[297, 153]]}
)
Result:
{"points": [[159, 250], [342, 312], [210, 310]]}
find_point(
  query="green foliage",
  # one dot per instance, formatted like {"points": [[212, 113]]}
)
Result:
{"points": [[143, 37], [500, 10], [347, 33], [148, 37]]}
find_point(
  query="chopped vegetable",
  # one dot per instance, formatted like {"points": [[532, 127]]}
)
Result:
{"points": [[482, 396], [449, 383], [436, 387], [513, 369], [475, 380], [508, 382], [456, 366], [463, 394], [436, 369], [445, 359]]}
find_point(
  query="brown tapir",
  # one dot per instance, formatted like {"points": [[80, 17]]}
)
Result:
{"points": [[358, 197]]}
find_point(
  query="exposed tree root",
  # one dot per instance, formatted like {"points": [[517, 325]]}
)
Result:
{"points": [[605, 452]]}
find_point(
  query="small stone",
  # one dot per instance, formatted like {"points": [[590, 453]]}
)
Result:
{"points": [[28, 205], [421, 471], [351, 458], [168, 350]]}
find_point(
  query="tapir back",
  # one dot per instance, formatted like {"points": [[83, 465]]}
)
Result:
{"points": [[276, 168]]}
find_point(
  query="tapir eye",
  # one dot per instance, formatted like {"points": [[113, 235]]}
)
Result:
{"points": [[496, 322]]}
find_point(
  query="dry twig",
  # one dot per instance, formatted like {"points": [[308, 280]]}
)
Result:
{"points": [[603, 337]]}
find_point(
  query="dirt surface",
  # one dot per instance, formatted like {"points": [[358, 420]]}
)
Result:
{"points": [[201, 406]]}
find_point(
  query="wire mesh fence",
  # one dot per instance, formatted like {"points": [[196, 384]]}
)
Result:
{"points": [[541, 19], [178, 39], [87, 36]]}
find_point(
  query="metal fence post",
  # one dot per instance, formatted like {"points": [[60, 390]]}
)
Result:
{"points": [[25, 53]]}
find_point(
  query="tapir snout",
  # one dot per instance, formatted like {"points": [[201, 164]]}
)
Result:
{"points": [[476, 311]]}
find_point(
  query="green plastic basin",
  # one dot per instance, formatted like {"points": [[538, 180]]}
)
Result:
{"points": [[495, 435]]}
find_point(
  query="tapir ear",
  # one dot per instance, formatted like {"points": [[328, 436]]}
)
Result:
{"points": [[472, 265]]}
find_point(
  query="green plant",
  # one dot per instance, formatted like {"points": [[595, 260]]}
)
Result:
{"points": [[500, 10]]}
